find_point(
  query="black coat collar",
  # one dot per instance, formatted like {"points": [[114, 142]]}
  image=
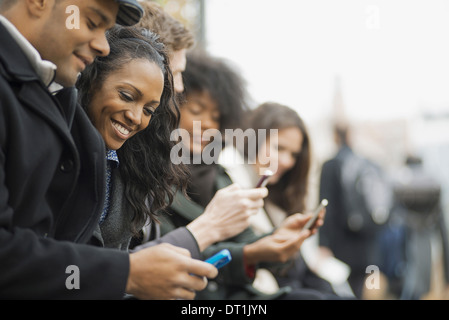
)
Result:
{"points": [[31, 91], [13, 60]]}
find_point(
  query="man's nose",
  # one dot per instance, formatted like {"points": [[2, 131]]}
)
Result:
{"points": [[100, 45]]}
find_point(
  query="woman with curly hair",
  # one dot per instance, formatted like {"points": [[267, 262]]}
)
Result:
{"points": [[129, 98]]}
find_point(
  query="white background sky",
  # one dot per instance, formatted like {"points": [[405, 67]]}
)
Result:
{"points": [[392, 56]]}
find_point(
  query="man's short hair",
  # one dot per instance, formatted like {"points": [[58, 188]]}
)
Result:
{"points": [[172, 32]]}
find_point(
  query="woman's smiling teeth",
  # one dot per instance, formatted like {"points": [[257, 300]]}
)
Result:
{"points": [[120, 128]]}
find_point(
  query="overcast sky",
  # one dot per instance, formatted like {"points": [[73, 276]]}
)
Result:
{"points": [[392, 56]]}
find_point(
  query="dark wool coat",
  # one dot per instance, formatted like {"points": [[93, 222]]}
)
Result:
{"points": [[52, 182]]}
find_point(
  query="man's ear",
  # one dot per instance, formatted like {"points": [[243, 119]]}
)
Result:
{"points": [[37, 8]]}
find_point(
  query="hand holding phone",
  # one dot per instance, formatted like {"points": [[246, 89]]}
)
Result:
{"points": [[309, 225], [264, 179], [220, 259]]}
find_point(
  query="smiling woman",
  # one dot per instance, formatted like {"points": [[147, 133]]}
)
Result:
{"points": [[128, 95], [126, 101]]}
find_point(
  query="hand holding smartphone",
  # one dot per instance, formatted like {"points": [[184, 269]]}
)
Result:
{"points": [[264, 179], [309, 225]]}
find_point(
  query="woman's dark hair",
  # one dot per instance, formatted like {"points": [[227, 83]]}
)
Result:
{"points": [[145, 166], [290, 191], [219, 78]]}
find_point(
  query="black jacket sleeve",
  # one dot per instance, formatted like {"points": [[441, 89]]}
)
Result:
{"points": [[33, 267]]}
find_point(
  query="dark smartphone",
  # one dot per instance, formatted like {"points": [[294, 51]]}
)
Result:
{"points": [[264, 179], [312, 220], [220, 259]]}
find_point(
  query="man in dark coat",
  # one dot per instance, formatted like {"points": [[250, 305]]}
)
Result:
{"points": [[52, 171], [353, 221]]}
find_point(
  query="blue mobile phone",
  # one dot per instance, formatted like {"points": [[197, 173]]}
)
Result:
{"points": [[220, 259]]}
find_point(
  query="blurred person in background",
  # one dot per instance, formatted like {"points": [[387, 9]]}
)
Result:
{"points": [[416, 238], [360, 200]]}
